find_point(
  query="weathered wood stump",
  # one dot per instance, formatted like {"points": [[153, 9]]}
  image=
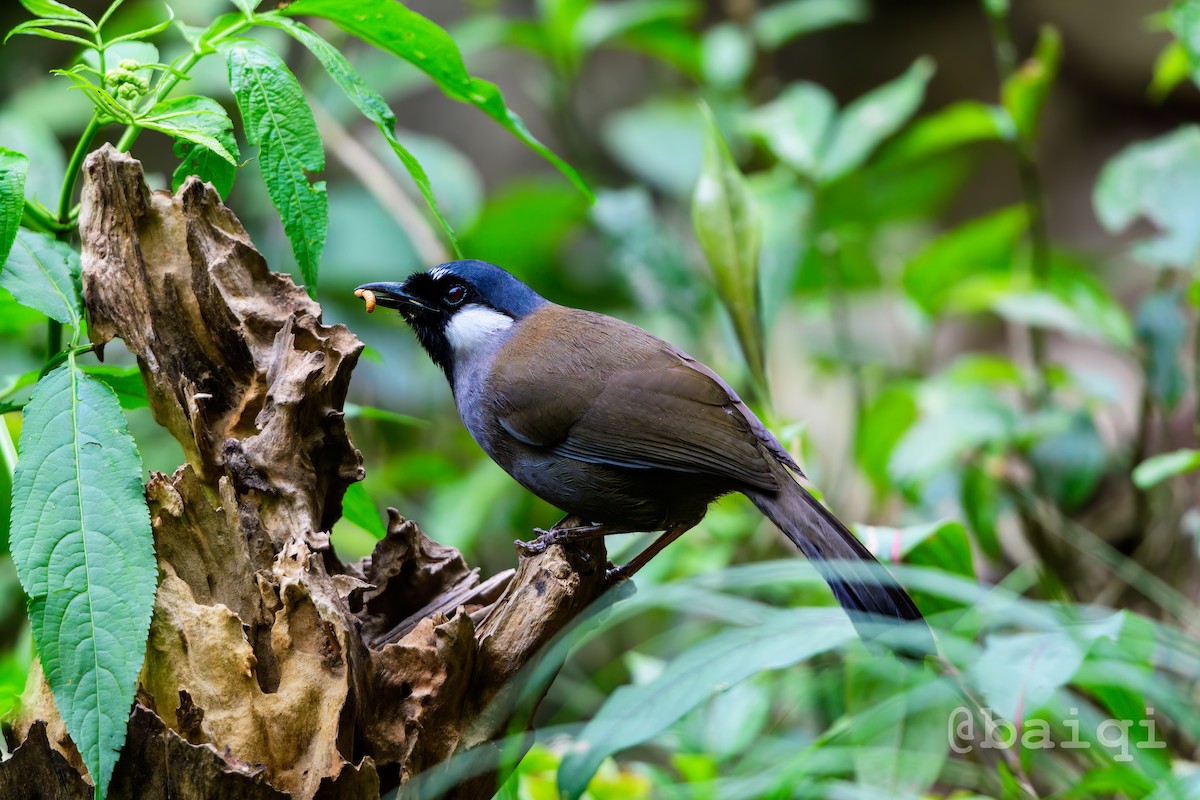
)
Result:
{"points": [[273, 669]]}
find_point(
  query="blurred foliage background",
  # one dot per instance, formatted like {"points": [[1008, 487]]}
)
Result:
{"points": [[970, 310]]}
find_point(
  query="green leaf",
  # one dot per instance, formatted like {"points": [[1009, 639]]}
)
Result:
{"points": [[355, 411], [371, 104], [776, 25], [796, 126], [44, 273], [45, 29], [1162, 328], [1184, 21], [1024, 93], [635, 714], [955, 421], [660, 141], [729, 229], [962, 123], [277, 119], [207, 165], [1171, 68], [872, 118], [883, 424], [726, 55], [14, 167], [390, 26], [199, 120], [942, 545], [359, 508], [1071, 299], [52, 9], [84, 551], [1156, 469], [125, 382], [1158, 180], [1018, 674], [605, 22], [899, 724], [981, 500], [986, 245], [146, 33], [1070, 463]]}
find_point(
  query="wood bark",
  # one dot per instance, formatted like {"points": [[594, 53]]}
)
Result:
{"points": [[273, 669]]}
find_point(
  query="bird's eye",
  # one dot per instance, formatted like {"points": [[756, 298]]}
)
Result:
{"points": [[456, 294]]}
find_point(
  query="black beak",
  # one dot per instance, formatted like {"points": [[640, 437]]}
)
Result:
{"points": [[393, 295]]}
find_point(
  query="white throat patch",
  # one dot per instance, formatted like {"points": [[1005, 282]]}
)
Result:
{"points": [[475, 327]]}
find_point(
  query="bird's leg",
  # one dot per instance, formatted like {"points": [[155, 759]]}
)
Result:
{"points": [[627, 571], [569, 529]]}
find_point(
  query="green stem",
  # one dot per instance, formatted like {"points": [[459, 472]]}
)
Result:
{"points": [[81, 150], [1032, 197]]}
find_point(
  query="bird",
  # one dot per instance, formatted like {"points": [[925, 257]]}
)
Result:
{"points": [[618, 428]]}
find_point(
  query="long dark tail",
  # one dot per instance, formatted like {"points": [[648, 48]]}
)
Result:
{"points": [[874, 600]]}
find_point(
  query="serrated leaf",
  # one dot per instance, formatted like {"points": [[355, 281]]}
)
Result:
{"points": [[872, 118], [391, 26], [634, 714], [14, 167], [1156, 469], [776, 25], [729, 229], [52, 9], [277, 118], [44, 273], [1024, 93], [84, 551], [199, 120], [1159, 180], [371, 104], [796, 125]]}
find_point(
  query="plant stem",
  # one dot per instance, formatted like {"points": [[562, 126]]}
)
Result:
{"points": [[81, 150], [1032, 197]]}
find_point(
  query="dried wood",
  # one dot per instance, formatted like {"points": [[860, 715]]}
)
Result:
{"points": [[272, 668]]}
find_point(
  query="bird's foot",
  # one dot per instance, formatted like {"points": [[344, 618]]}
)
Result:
{"points": [[614, 574], [534, 547]]}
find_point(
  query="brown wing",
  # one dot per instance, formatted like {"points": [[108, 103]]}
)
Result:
{"points": [[643, 405]]}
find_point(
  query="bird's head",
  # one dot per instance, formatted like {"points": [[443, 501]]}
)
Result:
{"points": [[457, 309]]}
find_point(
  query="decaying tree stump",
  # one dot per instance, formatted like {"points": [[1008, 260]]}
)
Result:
{"points": [[273, 669]]}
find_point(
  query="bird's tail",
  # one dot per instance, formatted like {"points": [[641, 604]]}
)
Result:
{"points": [[876, 603]]}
